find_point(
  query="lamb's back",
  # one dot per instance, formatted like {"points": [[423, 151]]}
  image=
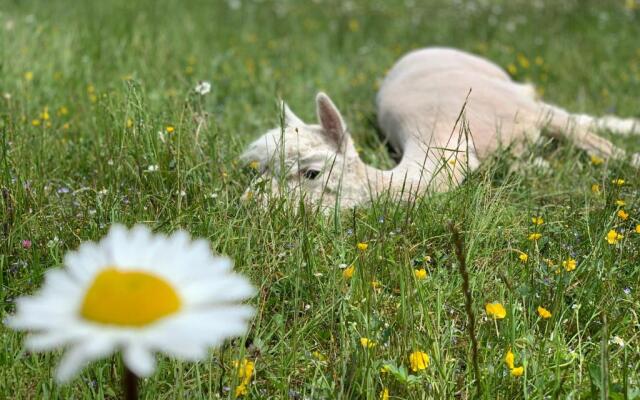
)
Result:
{"points": [[425, 91]]}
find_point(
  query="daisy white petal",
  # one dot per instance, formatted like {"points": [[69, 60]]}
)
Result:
{"points": [[225, 290], [81, 354], [47, 341], [139, 360]]}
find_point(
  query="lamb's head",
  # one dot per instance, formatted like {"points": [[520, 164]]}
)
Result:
{"points": [[317, 163]]}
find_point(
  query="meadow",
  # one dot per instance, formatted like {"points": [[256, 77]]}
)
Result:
{"points": [[100, 123]]}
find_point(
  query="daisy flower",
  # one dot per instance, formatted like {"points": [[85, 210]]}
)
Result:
{"points": [[138, 293], [203, 87]]}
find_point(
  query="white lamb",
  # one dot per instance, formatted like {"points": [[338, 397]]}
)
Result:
{"points": [[419, 111]]}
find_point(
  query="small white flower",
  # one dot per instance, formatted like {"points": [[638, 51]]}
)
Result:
{"points": [[138, 293], [153, 168], [203, 87], [234, 4], [53, 242], [617, 340]]}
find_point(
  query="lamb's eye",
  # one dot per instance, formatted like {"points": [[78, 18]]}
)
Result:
{"points": [[311, 174]]}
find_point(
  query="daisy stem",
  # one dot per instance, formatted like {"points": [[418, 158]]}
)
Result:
{"points": [[130, 385]]}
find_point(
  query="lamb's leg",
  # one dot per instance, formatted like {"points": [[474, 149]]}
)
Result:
{"points": [[582, 131]]}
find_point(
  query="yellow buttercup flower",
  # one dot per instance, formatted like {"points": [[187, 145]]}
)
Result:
{"points": [[543, 312], [35, 122], [384, 395], [535, 236], [319, 356], [620, 203], [348, 272], [517, 371], [509, 359], [595, 160], [254, 165], [623, 215], [537, 220], [170, 128], [44, 115], [614, 237], [245, 370], [420, 274], [595, 188], [523, 61], [495, 310], [367, 343], [354, 25], [362, 246], [618, 182], [419, 360], [241, 390], [28, 76], [638, 228], [569, 265], [524, 257]]}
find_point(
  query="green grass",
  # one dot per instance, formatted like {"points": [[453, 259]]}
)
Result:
{"points": [[117, 61]]}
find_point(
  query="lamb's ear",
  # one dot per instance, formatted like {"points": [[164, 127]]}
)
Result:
{"points": [[290, 119], [331, 121]]}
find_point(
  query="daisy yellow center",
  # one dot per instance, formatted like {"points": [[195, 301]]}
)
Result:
{"points": [[129, 298]]}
